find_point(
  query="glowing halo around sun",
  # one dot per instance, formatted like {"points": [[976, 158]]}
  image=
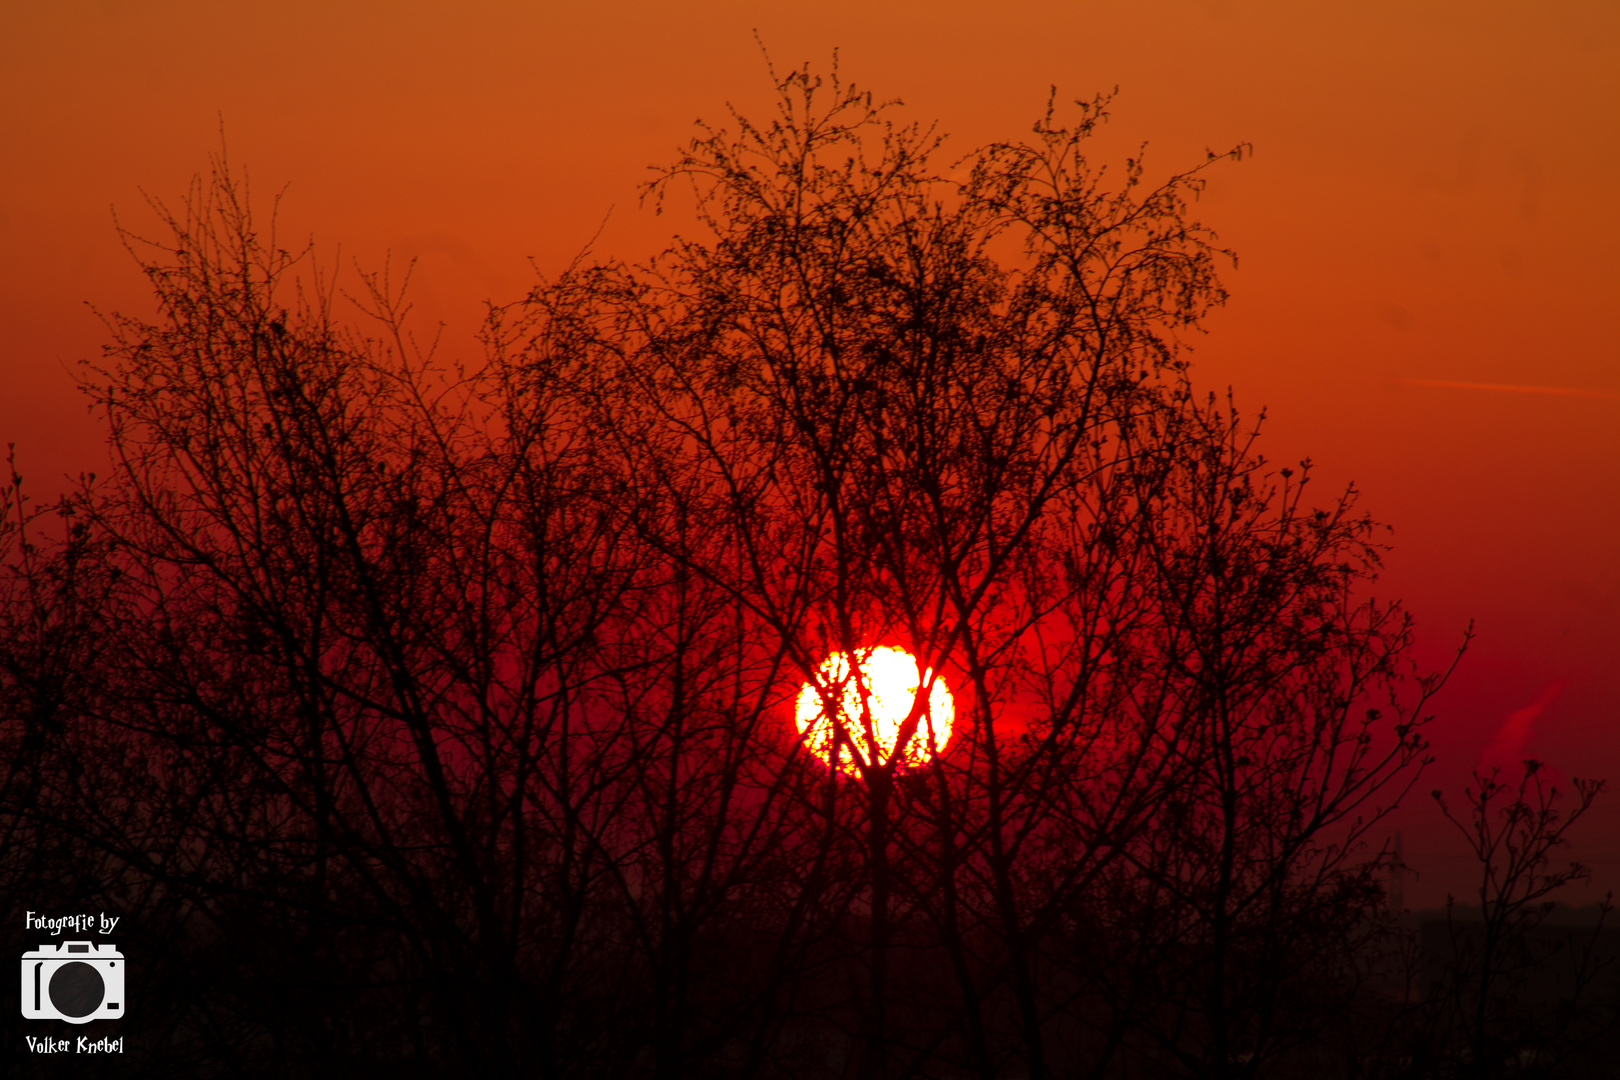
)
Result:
{"points": [[887, 680]]}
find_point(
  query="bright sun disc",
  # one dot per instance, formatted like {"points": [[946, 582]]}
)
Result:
{"points": [[886, 681]]}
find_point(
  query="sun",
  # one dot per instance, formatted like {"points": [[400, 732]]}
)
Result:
{"points": [[885, 681]]}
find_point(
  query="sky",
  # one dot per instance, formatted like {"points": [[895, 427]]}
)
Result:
{"points": [[1427, 231]]}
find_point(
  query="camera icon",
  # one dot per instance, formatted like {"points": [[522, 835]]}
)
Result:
{"points": [[74, 981]]}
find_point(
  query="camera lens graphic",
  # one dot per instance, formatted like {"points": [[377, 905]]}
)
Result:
{"points": [[75, 981], [77, 989]]}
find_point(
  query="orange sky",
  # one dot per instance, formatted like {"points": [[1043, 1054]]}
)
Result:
{"points": [[1428, 222]]}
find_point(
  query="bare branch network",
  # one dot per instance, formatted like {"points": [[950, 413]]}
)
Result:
{"points": [[424, 720]]}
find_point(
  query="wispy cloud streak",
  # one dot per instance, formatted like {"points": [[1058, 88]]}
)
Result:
{"points": [[1506, 750], [1511, 388]]}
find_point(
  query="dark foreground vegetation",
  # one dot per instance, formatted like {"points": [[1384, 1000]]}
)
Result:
{"points": [[418, 720]]}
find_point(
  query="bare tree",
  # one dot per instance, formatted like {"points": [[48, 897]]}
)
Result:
{"points": [[459, 704], [1240, 906], [1515, 996], [897, 438]]}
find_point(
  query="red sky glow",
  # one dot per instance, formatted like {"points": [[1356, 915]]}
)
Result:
{"points": [[1426, 229]]}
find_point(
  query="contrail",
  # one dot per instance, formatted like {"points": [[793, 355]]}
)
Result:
{"points": [[1510, 388]]}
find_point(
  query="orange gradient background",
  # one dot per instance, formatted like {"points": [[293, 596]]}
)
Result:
{"points": [[1428, 226]]}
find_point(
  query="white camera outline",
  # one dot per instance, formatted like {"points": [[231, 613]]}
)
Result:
{"points": [[39, 965]]}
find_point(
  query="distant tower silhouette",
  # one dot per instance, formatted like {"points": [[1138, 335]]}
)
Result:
{"points": [[1398, 869]]}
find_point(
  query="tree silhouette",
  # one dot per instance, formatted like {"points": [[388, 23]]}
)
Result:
{"points": [[440, 720], [1486, 1005]]}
